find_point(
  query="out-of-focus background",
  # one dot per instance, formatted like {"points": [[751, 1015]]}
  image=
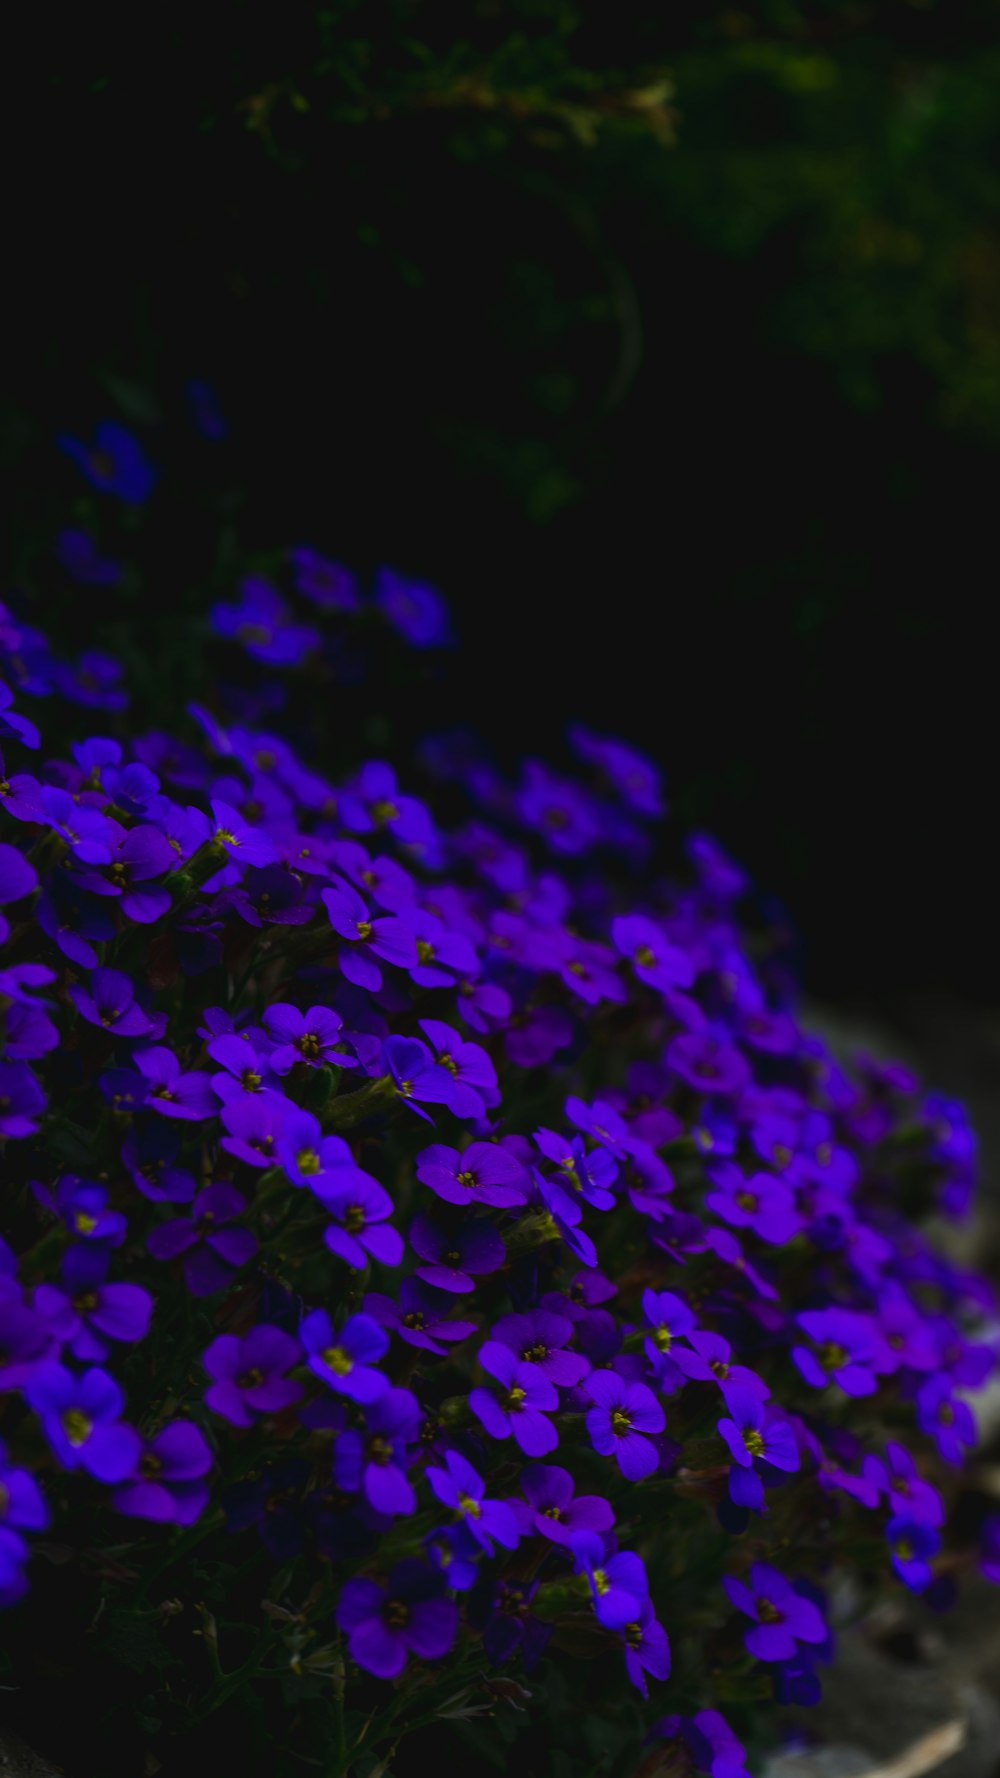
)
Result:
{"points": [[666, 340]]}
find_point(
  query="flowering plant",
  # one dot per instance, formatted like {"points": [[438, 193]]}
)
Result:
{"points": [[435, 1253]]}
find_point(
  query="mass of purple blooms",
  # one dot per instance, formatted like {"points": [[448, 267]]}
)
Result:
{"points": [[456, 1205]]}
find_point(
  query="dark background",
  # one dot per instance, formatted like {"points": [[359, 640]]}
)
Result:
{"points": [[668, 347]]}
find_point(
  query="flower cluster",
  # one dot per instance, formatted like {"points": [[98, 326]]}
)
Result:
{"points": [[463, 1208]]}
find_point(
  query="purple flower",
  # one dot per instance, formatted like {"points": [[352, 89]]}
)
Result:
{"points": [[363, 938], [234, 837], [646, 1647], [408, 1616], [416, 1075], [255, 1123], [22, 1504], [912, 1542], [517, 1405], [540, 1338], [454, 1258], [761, 1203], [782, 1618], [111, 1004], [670, 1319], [172, 1092], [472, 1072], [655, 960], [636, 779], [345, 1361], [212, 1251], [311, 1037], [847, 1350], [167, 1483], [22, 1100], [550, 1509], [141, 854], [87, 1314], [707, 1358], [461, 1488], [81, 1418], [83, 1206], [249, 1374], [618, 1584], [373, 801], [374, 1462], [26, 1338], [261, 624], [588, 1173], [753, 1434], [483, 1173], [708, 1063], [946, 1419], [556, 809], [621, 1414], [360, 1230], [418, 1317], [909, 1495], [114, 462], [418, 612], [326, 584], [17, 878], [14, 725]]}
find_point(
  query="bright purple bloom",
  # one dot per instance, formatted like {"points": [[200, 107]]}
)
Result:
{"points": [[550, 1509], [539, 1337], [311, 1037], [461, 1488], [587, 1172], [360, 1229], [260, 623], [517, 1404], [345, 1361], [669, 1318], [88, 835], [83, 1206], [647, 1649], [22, 1100], [782, 1618], [415, 1073], [707, 1358], [17, 876], [255, 1123], [114, 463], [454, 1258], [249, 1374], [618, 1584], [85, 1312], [212, 1250], [847, 1350], [168, 1482], [472, 1072], [912, 1543], [761, 1203], [655, 960], [483, 1173], [22, 1504], [26, 1339], [386, 937], [373, 800], [946, 1419], [171, 1091], [374, 1462], [111, 1004], [754, 1435], [81, 1418], [622, 1413], [408, 1616], [418, 1316], [230, 834], [708, 1063]]}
